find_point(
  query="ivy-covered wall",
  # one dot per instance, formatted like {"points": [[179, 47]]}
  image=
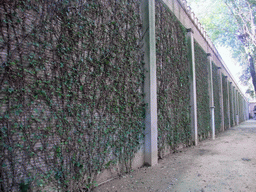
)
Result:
{"points": [[241, 108], [230, 104], [71, 91], [234, 103], [225, 101], [216, 92], [202, 91], [172, 80]]}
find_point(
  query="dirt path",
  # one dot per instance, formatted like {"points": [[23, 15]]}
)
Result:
{"points": [[226, 164]]}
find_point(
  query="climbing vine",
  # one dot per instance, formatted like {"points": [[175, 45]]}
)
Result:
{"points": [[172, 80], [225, 101], [241, 104], [71, 100], [202, 91], [239, 108], [216, 92], [230, 104], [234, 104]]}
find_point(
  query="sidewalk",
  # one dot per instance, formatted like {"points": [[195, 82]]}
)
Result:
{"points": [[226, 164]]}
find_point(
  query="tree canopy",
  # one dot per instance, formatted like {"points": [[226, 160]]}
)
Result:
{"points": [[231, 23]]}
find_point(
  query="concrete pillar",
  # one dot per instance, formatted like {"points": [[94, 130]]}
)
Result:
{"points": [[209, 57], [150, 83], [221, 100], [228, 104], [192, 78]]}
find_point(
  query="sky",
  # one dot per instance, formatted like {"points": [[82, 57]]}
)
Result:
{"points": [[232, 65]]}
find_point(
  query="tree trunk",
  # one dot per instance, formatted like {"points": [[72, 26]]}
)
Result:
{"points": [[252, 71]]}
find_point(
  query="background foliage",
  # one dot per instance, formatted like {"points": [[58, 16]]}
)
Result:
{"points": [[71, 91], [172, 80], [202, 91], [231, 25], [216, 92]]}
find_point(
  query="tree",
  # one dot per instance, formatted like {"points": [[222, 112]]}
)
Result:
{"points": [[244, 13], [232, 23]]}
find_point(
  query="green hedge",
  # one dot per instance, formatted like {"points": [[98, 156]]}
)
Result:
{"points": [[202, 90], [172, 80], [225, 101], [230, 104], [235, 104], [71, 94], [241, 102], [216, 92]]}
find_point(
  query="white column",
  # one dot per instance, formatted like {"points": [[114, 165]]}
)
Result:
{"points": [[221, 100], [228, 104], [193, 101], [211, 96], [150, 85]]}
